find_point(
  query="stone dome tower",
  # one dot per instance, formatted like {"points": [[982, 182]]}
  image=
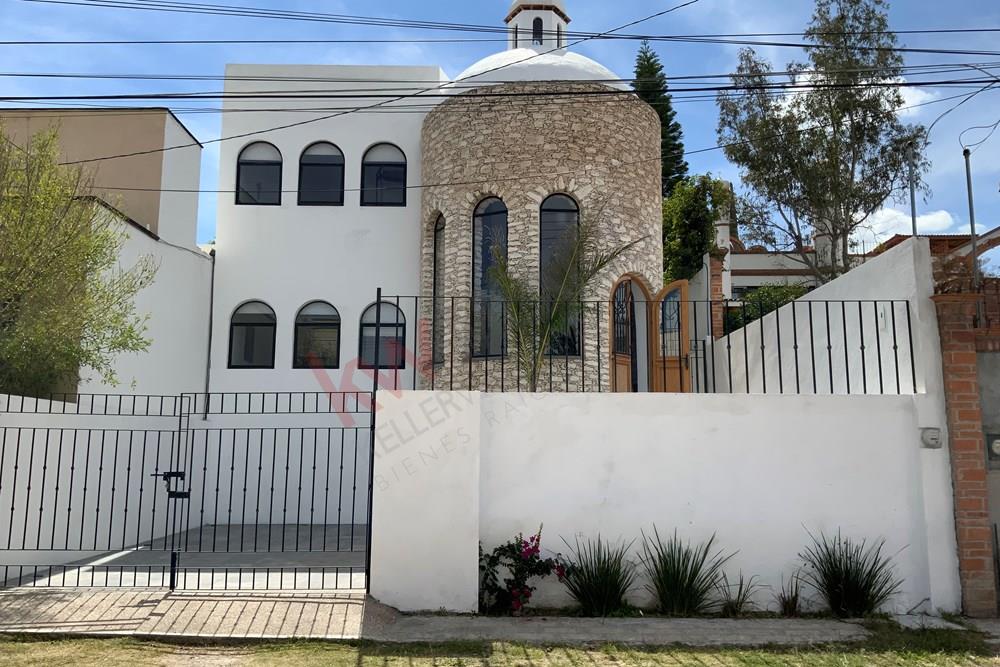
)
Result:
{"points": [[556, 141]]}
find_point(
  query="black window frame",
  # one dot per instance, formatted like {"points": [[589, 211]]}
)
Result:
{"points": [[340, 185], [543, 209], [477, 218], [366, 163], [239, 173], [273, 326], [297, 326], [399, 324]]}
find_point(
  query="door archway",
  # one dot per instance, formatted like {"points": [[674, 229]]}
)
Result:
{"points": [[630, 328], [671, 372]]}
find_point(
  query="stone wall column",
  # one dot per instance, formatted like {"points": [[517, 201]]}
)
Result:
{"points": [[716, 263], [956, 314]]}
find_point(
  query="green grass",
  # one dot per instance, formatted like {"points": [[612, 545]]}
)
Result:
{"points": [[889, 645]]}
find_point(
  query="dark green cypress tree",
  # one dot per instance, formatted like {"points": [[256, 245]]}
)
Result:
{"points": [[651, 85]]}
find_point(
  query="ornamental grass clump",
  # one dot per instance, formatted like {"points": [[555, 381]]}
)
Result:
{"points": [[598, 576], [789, 598], [854, 578], [737, 597], [683, 577]]}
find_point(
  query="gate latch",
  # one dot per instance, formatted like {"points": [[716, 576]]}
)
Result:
{"points": [[169, 475]]}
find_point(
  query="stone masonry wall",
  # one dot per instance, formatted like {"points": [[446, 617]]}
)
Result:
{"points": [[602, 150]]}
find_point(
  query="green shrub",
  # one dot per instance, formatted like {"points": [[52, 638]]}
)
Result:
{"points": [[598, 576], [854, 578], [520, 559], [737, 599], [682, 577], [789, 598]]}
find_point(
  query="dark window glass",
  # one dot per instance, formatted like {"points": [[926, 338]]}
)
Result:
{"points": [[383, 326], [559, 224], [321, 176], [383, 177], [559, 36], [258, 175], [251, 336], [670, 324], [317, 336], [489, 235], [437, 317], [536, 32]]}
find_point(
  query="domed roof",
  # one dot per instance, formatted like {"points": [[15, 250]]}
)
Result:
{"points": [[530, 65]]}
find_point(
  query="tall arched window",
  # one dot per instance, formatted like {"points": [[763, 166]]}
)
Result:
{"points": [[251, 336], [321, 175], [489, 236], [536, 32], [437, 314], [559, 36], [258, 175], [383, 176], [383, 327], [317, 336], [559, 225]]}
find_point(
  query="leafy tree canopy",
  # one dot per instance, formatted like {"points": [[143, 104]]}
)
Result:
{"points": [[820, 162], [689, 217], [65, 304]]}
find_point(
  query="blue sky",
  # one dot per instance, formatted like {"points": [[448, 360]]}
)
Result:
{"points": [[944, 211]]}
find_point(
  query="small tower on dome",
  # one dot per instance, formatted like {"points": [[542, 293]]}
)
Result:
{"points": [[539, 25]]}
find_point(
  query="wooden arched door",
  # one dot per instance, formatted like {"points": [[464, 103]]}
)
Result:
{"points": [[672, 340]]}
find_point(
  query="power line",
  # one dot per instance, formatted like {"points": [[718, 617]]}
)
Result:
{"points": [[328, 117], [425, 94], [513, 178], [254, 12]]}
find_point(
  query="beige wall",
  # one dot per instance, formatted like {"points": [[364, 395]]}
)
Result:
{"points": [[90, 133]]}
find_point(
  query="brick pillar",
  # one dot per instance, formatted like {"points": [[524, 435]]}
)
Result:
{"points": [[967, 443], [715, 267]]}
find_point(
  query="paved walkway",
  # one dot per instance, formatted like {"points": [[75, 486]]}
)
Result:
{"points": [[347, 615]]}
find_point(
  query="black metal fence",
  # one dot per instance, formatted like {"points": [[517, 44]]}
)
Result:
{"points": [[205, 490], [622, 345]]}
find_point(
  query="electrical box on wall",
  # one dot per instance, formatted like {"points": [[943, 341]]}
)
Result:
{"points": [[993, 450]]}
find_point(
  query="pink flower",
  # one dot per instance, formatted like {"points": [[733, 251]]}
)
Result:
{"points": [[516, 605]]}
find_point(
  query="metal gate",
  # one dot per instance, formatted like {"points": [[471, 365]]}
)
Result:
{"points": [[242, 491]]}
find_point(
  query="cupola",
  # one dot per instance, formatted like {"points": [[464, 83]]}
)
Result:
{"points": [[537, 25]]}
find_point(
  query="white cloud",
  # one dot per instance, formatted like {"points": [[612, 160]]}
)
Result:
{"points": [[886, 223], [913, 97]]}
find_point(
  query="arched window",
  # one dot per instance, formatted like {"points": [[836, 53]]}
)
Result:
{"points": [[383, 327], [437, 315], [258, 175], [559, 224], [383, 176], [516, 45], [489, 236], [536, 32], [251, 336], [317, 336], [559, 37], [321, 175]]}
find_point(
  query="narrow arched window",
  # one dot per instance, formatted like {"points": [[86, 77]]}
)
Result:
{"points": [[536, 32], [516, 45], [383, 334], [258, 175], [437, 314], [383, 176], [251, 336], [321, 175], [317, 336], [559, 225], [559, 36], [489, 242]]}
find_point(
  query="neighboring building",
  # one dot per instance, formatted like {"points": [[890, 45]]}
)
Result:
{"points": [[411, 198], [153, 194], [156, 188]]}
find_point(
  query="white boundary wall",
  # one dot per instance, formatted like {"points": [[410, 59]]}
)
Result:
{"points": [[452, 469]]}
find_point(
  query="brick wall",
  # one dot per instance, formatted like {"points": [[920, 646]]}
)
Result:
{"points": [[960, 340]]}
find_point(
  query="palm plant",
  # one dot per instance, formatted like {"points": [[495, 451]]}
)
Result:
{"points": [[540, 318]]}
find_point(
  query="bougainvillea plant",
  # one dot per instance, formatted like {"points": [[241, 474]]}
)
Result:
{"points": [[520, 559]]}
